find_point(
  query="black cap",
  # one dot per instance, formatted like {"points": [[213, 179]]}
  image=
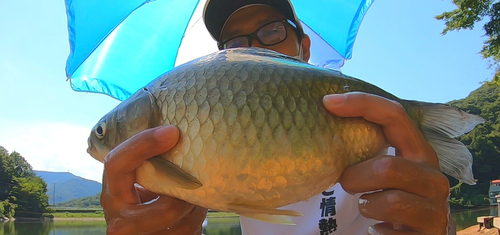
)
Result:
{"points": [[216, 13]]}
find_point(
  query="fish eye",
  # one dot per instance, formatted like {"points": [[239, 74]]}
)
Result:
{"points": [[100, 130]]}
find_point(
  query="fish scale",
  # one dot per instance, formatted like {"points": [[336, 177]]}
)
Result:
{"points": [[250, 126], [254, 134]]}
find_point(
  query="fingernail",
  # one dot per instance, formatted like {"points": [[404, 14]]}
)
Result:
{"points": [[164, 134], [372, 231], [362, 201], [334, 99], [397, 226]]}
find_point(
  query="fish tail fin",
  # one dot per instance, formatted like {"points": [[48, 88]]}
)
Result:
{"points": [[441, 124]]}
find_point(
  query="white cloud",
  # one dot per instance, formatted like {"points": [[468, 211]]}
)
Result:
{"points": [[59, 147]]}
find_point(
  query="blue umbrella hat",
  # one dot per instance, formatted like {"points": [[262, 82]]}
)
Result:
{"points": [[118, 46]]}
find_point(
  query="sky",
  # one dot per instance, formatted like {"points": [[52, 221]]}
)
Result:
{"points": [[399, 48]]}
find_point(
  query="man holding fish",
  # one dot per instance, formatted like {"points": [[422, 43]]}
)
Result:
{"points": [[406, 194]]}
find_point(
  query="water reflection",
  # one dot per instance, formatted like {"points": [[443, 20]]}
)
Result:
{"points": [[66, 227], [223, 226], [468, 218], [215, 226]]}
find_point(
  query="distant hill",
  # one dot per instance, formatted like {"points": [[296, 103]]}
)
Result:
{"points": [[84, 202], [68, 186]]}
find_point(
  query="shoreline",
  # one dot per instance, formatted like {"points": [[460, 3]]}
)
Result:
{"points": [[79, 219], [6, 220], [52, 219], [473, 230], [469, 209]]}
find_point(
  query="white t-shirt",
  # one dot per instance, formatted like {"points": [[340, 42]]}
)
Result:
{"points": [[332, 212]]}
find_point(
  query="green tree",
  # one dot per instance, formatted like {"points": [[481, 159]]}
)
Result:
{"points": [[29, 194], [484, 144], [22, 193], [6, 176], [20, 167], [467, 15], [7, 209]]}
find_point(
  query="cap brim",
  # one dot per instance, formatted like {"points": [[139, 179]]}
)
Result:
{"points": [[217, 12]]}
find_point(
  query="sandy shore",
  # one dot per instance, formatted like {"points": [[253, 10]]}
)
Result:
{"points": [[472, 230]]}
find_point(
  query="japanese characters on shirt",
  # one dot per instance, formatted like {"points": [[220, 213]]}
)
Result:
{"points": [[327, 223]]}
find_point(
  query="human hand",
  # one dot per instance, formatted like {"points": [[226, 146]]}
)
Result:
{"points": [[411, 194], [123, 200]]}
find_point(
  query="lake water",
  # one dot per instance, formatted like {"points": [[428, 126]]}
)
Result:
{"points": [[468, 218], [215, 226]]}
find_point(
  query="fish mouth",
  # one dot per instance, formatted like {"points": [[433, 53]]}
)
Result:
{"points": [[91, 147], [94, 151]]}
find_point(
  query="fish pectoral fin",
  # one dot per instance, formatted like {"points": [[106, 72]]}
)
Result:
{"points": [[179, 176], [271, 215]]}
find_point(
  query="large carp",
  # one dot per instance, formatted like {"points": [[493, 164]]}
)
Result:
{"points": [[255, 135]]}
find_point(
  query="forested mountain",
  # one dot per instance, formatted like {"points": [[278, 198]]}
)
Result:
{"points": [[22, 193], [92, 201], [484, 144], [68, 186]]}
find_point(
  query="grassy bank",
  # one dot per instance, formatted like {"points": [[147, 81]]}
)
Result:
{"points": [[214, 214], [100, 214], [97, 214]]}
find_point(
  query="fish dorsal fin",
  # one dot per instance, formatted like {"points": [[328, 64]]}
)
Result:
{"points": [[175, 173], [271, 215], [441, 124]]}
